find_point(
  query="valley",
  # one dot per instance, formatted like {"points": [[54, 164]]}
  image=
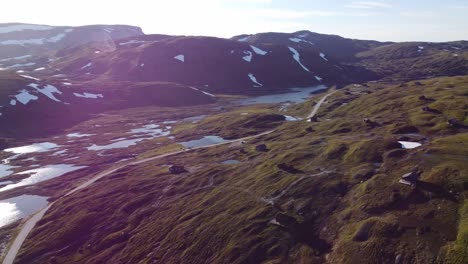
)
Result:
{"points": [[266, 148]]}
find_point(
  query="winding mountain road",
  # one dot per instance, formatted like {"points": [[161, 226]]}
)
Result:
{"points": [[31, 222]]}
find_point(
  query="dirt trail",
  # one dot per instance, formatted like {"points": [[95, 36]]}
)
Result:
{"points": [[30, 223]]}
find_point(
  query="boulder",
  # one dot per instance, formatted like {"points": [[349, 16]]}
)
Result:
{"points": [[427, 99], [418, 84], [396, 153], [286, 220], [313, 119], [309, 129], [288, 168], [177, 169], [453, 122], [261, 148], [410, 178], [392, 145]]}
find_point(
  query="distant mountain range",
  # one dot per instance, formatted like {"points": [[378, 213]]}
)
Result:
{"points": [[47, 71]]}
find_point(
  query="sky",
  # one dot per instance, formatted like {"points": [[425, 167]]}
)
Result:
{"points": [[384, 20]]}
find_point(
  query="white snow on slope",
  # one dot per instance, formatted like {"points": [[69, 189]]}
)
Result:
{"points": [[29, 77], [86, 66], [318, 78], [89, 95], [258, 51], [297, 58], [40, 69], [303, 35], [132, 42], [196, 89], [323, 56], [297, 40], [248, 57], [409, 145], [13, 102], [180, 57], [21, 65], [14, 28], [40, 41], [47, 90], [244, 39], [16, 58], [25, 97], [254, 80]]}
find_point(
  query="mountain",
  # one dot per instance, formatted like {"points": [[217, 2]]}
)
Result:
{"points": [[329, 191], [415, 60], [27, 46], [213, 64], [334, 46]]}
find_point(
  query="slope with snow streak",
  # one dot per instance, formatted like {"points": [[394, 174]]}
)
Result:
{"points": [[248, 56], [258, 51], [322, 55], [254, 80], [297, 58], [47, 90]]}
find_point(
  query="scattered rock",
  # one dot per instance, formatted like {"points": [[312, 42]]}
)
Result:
{"points": [[343, 130], [427, 99], [286, 220], [288, 168], [177, 169], [371, 123], [405, 130], [410, 178], [399, 259], [430, 110], [418, 84], [392, 145], [261, 148], [243, 151], [309, 129], [453, 122], [396, 153], [313, 119]]}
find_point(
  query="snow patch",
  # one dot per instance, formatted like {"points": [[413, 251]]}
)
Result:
{"points": [[13, 102], [248, 57], [30, 77], [40, 69], [21, 65], [318, 78], [322, 55], [297, 58], [25, 97], [86, 66], [258, 51], [132, 42], [254, 80], [180, 57], [89, 95], [40, 41], [196, 89], [244, 39], [16, 58], [47, 90], [409, 145], [14, 28]]}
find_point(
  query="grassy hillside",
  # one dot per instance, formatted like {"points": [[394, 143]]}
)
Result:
{"points": [[325, 191]]}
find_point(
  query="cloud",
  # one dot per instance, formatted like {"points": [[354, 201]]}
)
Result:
{"points": [[368, 5]]}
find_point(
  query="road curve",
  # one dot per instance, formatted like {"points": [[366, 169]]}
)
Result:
{"points": [[317, 106], [30, 223]]}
